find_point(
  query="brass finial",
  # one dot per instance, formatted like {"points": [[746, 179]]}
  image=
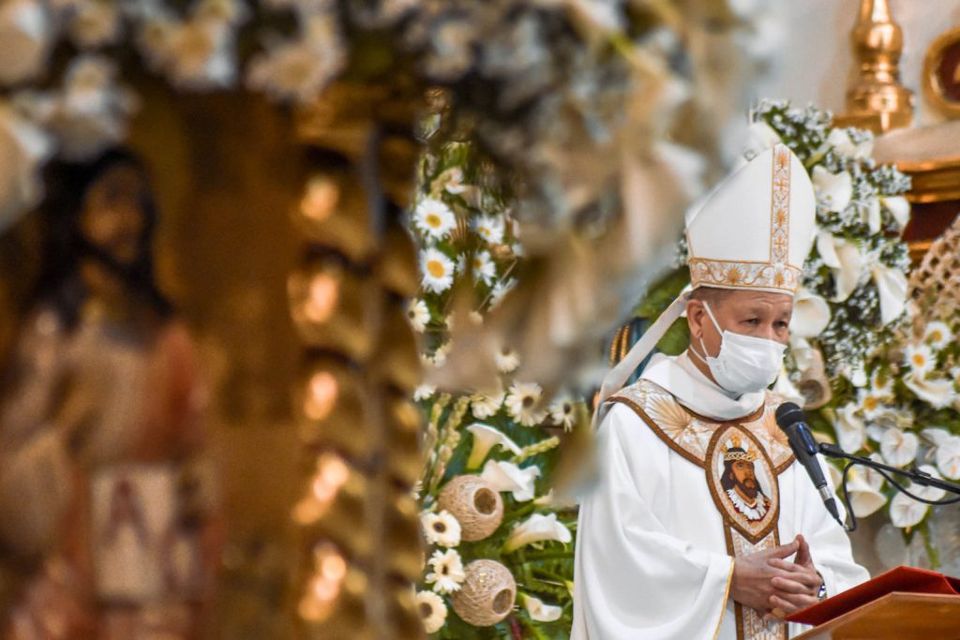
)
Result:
{"points": [[877, 100]]}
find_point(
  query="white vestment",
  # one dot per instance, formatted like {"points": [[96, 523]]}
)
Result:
{"points": [[652, 559]]}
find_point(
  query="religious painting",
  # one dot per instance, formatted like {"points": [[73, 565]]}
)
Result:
{"points": [[743, 482], [941, 72]]}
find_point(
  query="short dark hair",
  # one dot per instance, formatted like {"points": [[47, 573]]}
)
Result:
{"points": [[711, 295]]}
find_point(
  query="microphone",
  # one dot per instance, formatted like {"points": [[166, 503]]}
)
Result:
{"points": [[791, 420]]}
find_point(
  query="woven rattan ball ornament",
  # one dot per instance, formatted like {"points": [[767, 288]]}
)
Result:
{"points": [[475, 504], [487, 594]]}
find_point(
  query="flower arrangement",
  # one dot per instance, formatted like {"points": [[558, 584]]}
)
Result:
{"points": [[490, 452]]}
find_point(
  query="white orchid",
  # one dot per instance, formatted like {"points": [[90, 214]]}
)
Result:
{"points": [[899, 208], [899, 448], [537, 528], [834, 190], [539, 610], [845, 259], [850, 428], [506, 476], [484, 439], [811, 314]]}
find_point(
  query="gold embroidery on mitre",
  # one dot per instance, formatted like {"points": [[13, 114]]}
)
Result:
{"points": [[776, 273]]}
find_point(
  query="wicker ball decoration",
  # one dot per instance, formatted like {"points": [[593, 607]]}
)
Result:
{"points": [[475, 504], [935, 283], [487, 594]]}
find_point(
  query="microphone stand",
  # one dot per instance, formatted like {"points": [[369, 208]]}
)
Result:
{"points": [[919, 477]]}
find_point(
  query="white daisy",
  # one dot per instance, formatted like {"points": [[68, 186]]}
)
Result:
{"points": [[523, 403], [486, 405], [434, 218], [418, 315], [881, 385], [437, 269], [441, 528], [490, 228], [919, 357], [446, 573], [869, 403], [507, 360], [483, 267], [564, 413], [937, 335], [433, 611]]}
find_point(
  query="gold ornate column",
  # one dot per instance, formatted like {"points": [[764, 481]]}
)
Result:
{"points": [[877, 101], [359, 521]]}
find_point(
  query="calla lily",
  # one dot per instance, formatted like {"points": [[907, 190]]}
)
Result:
{"points": [[484, 439], [898, 447], [834, 190], [865, 497], [906, 512], [938, 392], [892, 287], [785, 388], [539, 610], [811, 314], [899, 208], [506, 476], [760, 137], [948, 457], [851, 431], [537, 528], [840, 140], [928, 493], [846, 260]]}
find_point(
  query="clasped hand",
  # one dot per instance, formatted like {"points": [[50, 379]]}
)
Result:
{"points": [[769, 583]]}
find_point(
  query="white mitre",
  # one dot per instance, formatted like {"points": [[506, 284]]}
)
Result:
{"points": [[753, 231]]}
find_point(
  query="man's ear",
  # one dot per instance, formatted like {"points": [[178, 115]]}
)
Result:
{"points": [[695, 317]]}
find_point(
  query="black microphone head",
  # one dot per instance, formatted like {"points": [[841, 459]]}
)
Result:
{"points": [[788, 414]]}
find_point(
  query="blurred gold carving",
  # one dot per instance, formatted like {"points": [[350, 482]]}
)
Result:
{"points": [[877, 101], [941, 73]]}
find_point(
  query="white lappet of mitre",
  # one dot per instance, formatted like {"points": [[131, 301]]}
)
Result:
{"points": [[753, 232]]}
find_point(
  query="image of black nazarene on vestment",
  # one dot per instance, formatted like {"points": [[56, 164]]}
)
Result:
{"points": [[739, 481]]}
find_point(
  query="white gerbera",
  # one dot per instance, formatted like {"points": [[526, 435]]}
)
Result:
{"points": [[490, 228], [523, 403], [433, 611], [446, 573], [920, 358], [563, 412], [434, 218], [418, 315], [437, 269], [937, 335], [486, 405], [507, 360], [441, 528], [483, 267]]}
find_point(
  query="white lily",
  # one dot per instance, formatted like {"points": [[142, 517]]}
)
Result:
{"points": [[760, 137], [539, 610], [537, 528], [846, 260], [506, 476], [811, 314], [899, 448], [834, 190], [938, 392], [484, 439], [892, 287], [899, 208], [850, 428]]}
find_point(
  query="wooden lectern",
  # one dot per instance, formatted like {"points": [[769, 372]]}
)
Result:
{"points": [[895, 616]]}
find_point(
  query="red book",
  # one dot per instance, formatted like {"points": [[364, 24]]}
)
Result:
{"points": [[902, 579]]}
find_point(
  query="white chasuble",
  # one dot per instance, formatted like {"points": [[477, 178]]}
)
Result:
{"points": [[657, 535]]}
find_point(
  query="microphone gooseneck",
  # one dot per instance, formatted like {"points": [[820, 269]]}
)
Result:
{"points": [[792, 421]]}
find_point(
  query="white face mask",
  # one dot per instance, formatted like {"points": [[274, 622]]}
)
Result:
{"points": [[745, 364]]}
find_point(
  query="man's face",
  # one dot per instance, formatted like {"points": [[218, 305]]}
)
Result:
{"points": [[745, 478], [752, 313]]}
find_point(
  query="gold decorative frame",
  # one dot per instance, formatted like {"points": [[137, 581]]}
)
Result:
{"points": [[931, 72]]}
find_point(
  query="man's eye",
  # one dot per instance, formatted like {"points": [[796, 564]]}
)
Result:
{"points": [[753, 321]]}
